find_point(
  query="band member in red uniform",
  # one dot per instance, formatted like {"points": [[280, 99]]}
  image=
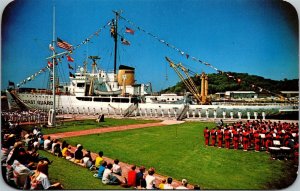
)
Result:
{"points": [[245, 139], [206, 136], [236, 138], [269, 140], [213, 134], [220, 137], [227, 135], [257, 141]]}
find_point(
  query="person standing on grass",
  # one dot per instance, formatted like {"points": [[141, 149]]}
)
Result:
{"points": [[220, 137], [245, 139], [236, 138], [206, 136], [227, 135], [150, 179], [213, 134], [99, 159]]}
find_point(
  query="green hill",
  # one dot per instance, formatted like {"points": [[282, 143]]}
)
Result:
{"points": [[221, 83]]}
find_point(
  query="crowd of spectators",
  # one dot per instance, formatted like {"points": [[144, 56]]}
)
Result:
{"points": [[22, 166], [257, 135]]}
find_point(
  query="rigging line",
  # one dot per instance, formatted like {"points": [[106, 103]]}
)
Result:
{"points": [[183, 52]]}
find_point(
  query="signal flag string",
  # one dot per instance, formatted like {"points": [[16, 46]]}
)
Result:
{"points": [[188, 56]]}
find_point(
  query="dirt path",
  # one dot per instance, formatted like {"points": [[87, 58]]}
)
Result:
{"points": [[125, 166]]}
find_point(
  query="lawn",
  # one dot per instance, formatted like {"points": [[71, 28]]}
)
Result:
{"points": [[72, 176], [90, 124], [179, 151]]}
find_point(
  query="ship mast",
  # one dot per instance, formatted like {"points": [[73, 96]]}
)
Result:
{"points": [[115, 36], [53, 68]]}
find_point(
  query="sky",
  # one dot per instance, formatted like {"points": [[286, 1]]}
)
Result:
{"points": [[258, 37]]}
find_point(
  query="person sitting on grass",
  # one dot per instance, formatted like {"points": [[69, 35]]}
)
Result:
{"points": [[40, 181], [140, 179], [132, 177], [47, 143], [87, 160], [168, 186], [150, 179], [78, 154], [101, 170], [117, 168], [162, 184], [66, 152], [99, 159], [108, 177], [184, 184]]}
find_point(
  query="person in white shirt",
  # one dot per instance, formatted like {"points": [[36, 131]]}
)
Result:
{"points": [[168, 186], [46, 143], [108, 177], [116, 168], [150, 179], [184, 185]]}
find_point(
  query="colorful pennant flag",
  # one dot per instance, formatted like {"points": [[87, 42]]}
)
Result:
{"points": [[70, 59], [51, 47], [129, 30], [50, 64], [125, 42], [70, 67], [63, 44]]}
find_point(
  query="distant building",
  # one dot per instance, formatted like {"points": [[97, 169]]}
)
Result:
{"points": [[240, 94], [291, 95]]}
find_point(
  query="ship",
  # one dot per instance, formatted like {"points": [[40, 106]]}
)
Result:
{"points": [[117, 93]]}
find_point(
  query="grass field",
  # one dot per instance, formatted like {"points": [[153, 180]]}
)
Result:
{"points": [[90, 124], [179, 151]]}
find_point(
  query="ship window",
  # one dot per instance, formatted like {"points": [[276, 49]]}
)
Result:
{"points": [[80, 85], [120, 100], [102, 99], [84, 98]]}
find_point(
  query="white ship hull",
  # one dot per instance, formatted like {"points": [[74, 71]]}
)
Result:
{"points": [[119, 106]]}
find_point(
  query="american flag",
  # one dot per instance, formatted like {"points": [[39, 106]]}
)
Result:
{"points": [[63, 44], [129, 30]]}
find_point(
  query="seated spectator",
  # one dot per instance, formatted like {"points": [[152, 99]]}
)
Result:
{"points": [[55, 142], [40, 181], [168, 186], [140, 179], [117, 168], [87, 160], [196, 187], [184, 184], [66, 152], [78, 155], [161, 185], [150, 179], [101, 170], [20, 173], [132, 177], [108, 177], [47, 143], [57, 150], [99, 159]]}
